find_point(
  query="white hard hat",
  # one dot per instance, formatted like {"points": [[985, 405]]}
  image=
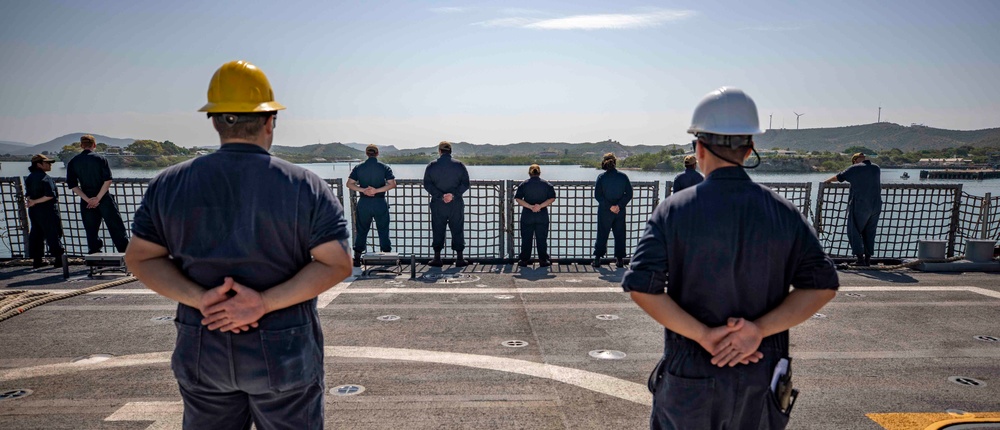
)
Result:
{"points": [[727, 112]]}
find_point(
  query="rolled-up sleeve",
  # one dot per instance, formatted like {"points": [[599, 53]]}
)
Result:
{"points": [[815, 270], [72, 180], [648, 271], [846, 175], [146, 223], [328, 222], [463, 180]]}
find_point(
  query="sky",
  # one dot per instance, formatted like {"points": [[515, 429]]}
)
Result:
{"points": [[413, 73]]}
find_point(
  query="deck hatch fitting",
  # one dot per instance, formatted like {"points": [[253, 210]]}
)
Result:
{"points": [[347, 390], [607, 354], [967, 381], [14, 394]]}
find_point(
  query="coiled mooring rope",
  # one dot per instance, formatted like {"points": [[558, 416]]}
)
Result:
{"points": [[907, 265], [25, 262], [16, 302]]}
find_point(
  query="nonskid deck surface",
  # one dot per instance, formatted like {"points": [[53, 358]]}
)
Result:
{"points": [[499, 347]]}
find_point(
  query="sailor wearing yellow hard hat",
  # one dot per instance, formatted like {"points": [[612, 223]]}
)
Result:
{"points": [[244, 242]]}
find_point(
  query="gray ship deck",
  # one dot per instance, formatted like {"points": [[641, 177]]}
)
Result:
{"points": [[886, 345]]}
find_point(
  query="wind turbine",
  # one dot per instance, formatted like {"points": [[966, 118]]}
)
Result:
{"points": [[797, 115]]}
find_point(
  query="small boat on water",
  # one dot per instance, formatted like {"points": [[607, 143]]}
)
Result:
{"points": [[905, 176]]}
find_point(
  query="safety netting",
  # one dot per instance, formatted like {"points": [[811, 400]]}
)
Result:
{"points": [[910, 213], [127, 193], [410, 221], [573, 219], [978, 218], [15, 217], [492, 219], [797, 193]]}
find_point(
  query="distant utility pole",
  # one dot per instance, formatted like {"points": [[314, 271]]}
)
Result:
{"points": [[770, 119], [879, 114], [797, 115]]}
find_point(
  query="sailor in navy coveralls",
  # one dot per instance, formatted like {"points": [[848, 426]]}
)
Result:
{"points": [[244, 242], [714, 267]]}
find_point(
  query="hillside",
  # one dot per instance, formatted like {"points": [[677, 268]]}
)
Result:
{"points": [[466, 149], [382, 149], [8, 147], [320, 150], [879, 137], [55, 145]]}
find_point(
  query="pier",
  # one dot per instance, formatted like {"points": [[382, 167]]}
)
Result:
{"points": [[960, 174]]}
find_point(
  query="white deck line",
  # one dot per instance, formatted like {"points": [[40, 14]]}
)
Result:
{"points": [[343, 288]]}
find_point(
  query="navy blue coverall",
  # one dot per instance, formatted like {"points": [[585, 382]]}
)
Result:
{"points": [[239, 212], [90, 171], [375, 174], [612, 188], [689, 178], [443, 176], [534, 191], [46, 226], [864, 205], [724, 248]]}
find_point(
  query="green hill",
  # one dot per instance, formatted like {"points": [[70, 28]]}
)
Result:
{"points": [[465, 149], [382, 149], [9, 147], [880, 137], [319, 150], [55, 145]]}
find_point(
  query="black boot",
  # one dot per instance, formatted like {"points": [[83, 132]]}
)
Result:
{"points": [[860, 261], [37, 263], [459, 261], [620, 262], [523, 263], [545, 262], [57, 261], [436, 262], [357, 259], [868, 260], [597, 262]]}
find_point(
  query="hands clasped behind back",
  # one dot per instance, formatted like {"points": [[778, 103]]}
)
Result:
{"points": [[231, 312], [734, 343]]}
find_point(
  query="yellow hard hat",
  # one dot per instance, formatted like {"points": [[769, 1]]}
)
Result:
{"points": [[239, 87]]}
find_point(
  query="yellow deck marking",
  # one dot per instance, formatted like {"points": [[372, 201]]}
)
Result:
{"points": [[924, 420]]}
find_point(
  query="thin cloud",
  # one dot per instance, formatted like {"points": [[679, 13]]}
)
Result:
{"points": [[520, 11], [616, 21], [773, 28], [507, 22], [449, 9]]}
